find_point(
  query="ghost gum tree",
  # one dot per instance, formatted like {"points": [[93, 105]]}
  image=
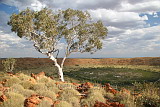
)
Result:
{"points": [[46, 28]]}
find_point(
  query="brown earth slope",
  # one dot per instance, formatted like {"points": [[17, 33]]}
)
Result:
{"points": [[27, 63]]}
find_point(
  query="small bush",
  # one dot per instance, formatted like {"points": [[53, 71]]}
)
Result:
{"points": [[1, 93], [91, 98], [39, 86], [44, 103], [74, 101], [44, 80], [52, 87], [48, 93], [15, 100], [63, 104], [97, 89], [66, 93], [12, 81], [26, 84], [109, 96], [17, 88], [24, 77], [66, 86], [150, 96], [20, 90], [27, 93], [9, 64], [125, 98]]}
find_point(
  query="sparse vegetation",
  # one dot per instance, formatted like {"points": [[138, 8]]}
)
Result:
{"points": [[11, 81], [15, 100], [92, 98], [9, 64]]}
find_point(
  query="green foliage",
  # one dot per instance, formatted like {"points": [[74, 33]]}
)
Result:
{"points": [[15, 100], [12, 81], [46, 28], [9, 64], [63, 104]]}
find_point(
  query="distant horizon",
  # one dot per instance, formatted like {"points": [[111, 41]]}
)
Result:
{"points": [[86, 57]]}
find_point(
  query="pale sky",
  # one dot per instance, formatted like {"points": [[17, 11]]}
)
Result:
{"points": [[133, 26]]}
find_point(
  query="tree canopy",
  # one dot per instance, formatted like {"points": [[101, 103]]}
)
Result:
{"points": [[46, 28]]}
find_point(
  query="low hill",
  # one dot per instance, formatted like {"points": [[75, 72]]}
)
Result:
{"points": [[26, 63]]}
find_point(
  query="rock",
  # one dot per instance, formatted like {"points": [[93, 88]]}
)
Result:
{"points": [[126, 91], [33, 81], [38, 76], [34, 100], [110, 89], [3, 98], [3, 89], [100, 104], [3, 82], [84, 87], [116, 104]]}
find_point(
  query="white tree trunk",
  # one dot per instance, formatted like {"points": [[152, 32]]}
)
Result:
{"points": [[60, 72]]}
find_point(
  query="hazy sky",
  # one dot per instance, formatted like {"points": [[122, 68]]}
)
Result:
{"points": [[133, 25]]}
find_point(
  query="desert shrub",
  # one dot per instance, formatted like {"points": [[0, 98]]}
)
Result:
{"points": [[12, 81], [125, 98], [150, 96], [39, 86], [27, 93], [43, 80], [24, 77], [15, 100], [1, 93], [66, 86], [109, 96], [91, 98], [51, 84], [97, 89], [63, 104], [47, 93], [17, 88], [4, 77], [26, 84], [66, 93], [74, 101], [52, 87], [9, 64], [44, 103]]}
